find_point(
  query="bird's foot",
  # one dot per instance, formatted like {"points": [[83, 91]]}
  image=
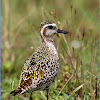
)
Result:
{"points": [[31, 98]]}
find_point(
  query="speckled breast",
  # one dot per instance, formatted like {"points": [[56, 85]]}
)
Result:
{"points": [[51, 65]]}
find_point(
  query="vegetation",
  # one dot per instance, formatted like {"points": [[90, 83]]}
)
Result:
{"points": [[78, 51]]}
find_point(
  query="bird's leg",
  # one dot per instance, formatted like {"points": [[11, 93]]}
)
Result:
{"points": [[47, 93], [31, 96]]}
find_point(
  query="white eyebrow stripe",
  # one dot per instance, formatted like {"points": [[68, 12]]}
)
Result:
{"points": [[46, 26], [49, 25]]}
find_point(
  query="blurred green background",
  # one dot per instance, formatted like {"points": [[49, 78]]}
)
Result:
{"points": [[78, 51]]}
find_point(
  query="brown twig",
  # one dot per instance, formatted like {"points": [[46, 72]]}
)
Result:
{"points": [[91, 77], [6, 35], [69, 54]]}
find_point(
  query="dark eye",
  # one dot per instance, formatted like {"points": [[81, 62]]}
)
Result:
{"points": [[50, 27]]}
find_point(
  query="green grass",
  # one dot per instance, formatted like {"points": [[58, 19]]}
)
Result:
{"points": [[79, 70]]}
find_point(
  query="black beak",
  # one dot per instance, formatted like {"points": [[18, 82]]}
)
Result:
{"points": [[61, 31]]}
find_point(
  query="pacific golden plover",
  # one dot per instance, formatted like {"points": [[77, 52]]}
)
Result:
{"points": [[42, 67]]}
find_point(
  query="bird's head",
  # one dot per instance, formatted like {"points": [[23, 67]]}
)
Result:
{"points": [[49, 29]]}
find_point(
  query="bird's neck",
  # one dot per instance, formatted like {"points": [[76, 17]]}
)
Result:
{"points": [[49, 42], [46, 39]]}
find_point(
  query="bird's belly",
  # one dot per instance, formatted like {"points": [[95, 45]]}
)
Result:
{"points": [[48, 77]]}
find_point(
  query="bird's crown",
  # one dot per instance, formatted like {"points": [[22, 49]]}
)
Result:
{"points": [[46, 22]]}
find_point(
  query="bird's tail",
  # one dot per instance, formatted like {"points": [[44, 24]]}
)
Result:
{"points": [[17, 91]]}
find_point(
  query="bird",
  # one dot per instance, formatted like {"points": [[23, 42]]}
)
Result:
{"points": [[42, 67]]}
